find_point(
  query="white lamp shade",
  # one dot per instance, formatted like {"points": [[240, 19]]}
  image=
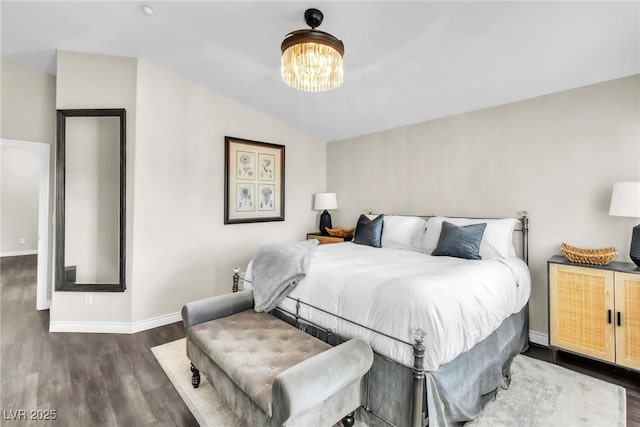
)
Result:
{"points": [[625, 200], [325, 201]]}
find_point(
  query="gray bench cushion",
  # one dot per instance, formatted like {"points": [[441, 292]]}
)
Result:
{"points": [[256, 342]]}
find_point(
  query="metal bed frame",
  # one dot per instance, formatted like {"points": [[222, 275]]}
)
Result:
{"points": [[419, 417]]}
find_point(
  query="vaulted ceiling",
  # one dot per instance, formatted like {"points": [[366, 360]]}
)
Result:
{"points": [[405, 62]]}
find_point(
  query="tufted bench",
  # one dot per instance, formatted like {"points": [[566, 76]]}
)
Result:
{"points": [[269, 372]]}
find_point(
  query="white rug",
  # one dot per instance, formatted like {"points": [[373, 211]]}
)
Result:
{"points": [[541, 394]]}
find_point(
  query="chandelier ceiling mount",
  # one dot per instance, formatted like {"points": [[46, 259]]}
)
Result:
{"points": [[312, 59]]}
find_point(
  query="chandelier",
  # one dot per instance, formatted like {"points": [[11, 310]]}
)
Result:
{"points": [[312, 59]]}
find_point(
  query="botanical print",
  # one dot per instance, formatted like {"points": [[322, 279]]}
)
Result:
{"points": [[254, 181], [266, 195], [245, 165], [266, 166], [245, 200]]}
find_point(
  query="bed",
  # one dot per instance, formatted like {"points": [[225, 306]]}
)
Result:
{"points": [[444, 329]]}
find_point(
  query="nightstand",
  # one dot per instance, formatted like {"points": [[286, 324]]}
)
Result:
{"points": [[594, 311], [323, 240]]}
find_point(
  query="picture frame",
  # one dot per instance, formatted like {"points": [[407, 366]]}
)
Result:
{"points": [[253, 181]]}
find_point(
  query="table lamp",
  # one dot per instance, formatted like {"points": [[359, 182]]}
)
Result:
{"points": [[323, 202], [625, 201]]}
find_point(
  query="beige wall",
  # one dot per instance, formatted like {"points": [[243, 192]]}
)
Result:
{"points": [[556, 156], [28, 104], [178, 249], [19, 192], [98, 81], [29, 114], [182, 249]]}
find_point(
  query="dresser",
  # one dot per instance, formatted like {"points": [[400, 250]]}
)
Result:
{"points": [[594, 311]]}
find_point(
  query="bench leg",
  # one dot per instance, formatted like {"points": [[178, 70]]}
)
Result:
{"points": [[195, 377], [349, 420]]}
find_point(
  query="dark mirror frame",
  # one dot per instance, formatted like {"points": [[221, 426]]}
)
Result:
{"points": [[60, 283]]}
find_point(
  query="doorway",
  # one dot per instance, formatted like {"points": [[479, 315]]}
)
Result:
{"points": [[43, 151]]}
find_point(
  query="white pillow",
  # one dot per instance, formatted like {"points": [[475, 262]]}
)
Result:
{"points": [[402, 231], [497, 241]]}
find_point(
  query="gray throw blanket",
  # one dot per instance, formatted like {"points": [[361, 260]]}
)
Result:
{"points": [[277, 269]]}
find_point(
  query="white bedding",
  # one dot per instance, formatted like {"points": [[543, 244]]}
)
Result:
{"points": [[456, 302]]}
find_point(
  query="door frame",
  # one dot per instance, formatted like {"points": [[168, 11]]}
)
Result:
{"points": [[43, 302]]}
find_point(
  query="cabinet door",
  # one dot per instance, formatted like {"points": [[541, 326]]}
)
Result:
{"points": [[579, 300], [628, 333]]}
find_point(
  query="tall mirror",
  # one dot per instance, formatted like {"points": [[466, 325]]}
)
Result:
{"points": [[90, 200]]}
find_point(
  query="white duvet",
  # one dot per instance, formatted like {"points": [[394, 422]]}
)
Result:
{"points": [[456, 302]]}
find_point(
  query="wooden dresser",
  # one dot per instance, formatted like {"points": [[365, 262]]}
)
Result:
{"points": [[594, 311]]}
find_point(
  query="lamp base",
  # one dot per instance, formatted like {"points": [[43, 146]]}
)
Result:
{"points": [[634, 253], [325, 222]]}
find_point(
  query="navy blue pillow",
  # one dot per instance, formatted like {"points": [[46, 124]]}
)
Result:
{"points": [[369, 231], [460, 242]]}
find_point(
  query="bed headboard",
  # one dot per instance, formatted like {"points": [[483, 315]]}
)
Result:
{"points": [[521, 232]]}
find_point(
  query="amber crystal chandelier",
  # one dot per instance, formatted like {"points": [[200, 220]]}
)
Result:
{"points": [[312, 59]]}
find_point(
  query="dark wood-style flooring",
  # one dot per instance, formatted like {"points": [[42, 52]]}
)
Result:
{"points": [[114, 380], [89, 379]]}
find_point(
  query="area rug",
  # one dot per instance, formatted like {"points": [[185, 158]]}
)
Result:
{"points": [[540, 394]]}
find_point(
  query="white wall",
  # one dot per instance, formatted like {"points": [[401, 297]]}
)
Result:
{"points": [[28, 104], [182, 251], [178, 248], [98, 81], [556, 156], [29, 114], [19, 192]]}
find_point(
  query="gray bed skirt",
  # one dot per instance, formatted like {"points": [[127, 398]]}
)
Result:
{"points": [[454, 394]]}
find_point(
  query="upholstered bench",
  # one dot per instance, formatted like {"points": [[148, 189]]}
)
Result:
{"points": [[269, 372]]}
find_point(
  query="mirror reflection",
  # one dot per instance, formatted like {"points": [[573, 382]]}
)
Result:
{"points": [[92, 209]]}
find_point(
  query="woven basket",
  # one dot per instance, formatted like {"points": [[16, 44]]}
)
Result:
{"points": [[340, 232], [589, 256]]}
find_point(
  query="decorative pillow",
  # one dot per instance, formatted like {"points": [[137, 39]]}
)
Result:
{"points": [[497, 241], [402, 231], [460, 242], [369, 231]]}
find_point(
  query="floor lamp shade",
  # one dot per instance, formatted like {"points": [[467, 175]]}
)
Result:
{"points": [[625, 201], [324, 202]]}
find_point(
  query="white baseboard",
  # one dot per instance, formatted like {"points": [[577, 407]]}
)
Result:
{"points": [[45, 306], [539, 338], [155, 322], [114, 327], [19, 253], [91, 327]]}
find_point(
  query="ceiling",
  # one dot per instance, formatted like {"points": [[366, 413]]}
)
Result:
{"points": [[405, 62]]}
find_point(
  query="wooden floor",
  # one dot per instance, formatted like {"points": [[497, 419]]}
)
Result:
{"points": [[88, 379], [114, 380]]}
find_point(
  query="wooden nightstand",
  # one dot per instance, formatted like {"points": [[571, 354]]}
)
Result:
{"points": [[328, 239], [594, 310]]}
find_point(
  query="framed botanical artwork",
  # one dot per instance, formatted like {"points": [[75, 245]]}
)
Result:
{"points": [[253, 181]]}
